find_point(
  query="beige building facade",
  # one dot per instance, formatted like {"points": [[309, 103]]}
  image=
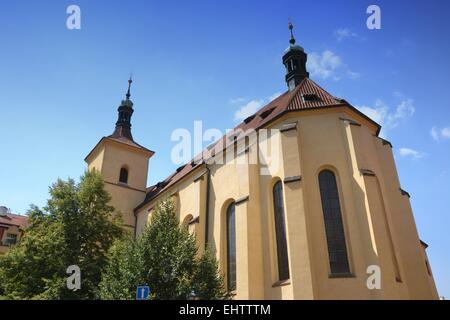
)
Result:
{"points": [[302, 200]]}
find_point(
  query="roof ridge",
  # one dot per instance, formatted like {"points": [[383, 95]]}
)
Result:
{"points": [[296, 90], [320, 87], [17, 214]]}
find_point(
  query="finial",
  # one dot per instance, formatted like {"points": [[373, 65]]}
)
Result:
{"points": [[291, 26], [130, 81]]}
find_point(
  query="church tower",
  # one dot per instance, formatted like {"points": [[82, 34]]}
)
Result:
{"points": [[294, 60], [123, 164]]}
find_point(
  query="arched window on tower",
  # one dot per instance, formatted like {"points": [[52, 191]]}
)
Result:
{"points": [[334, 228], [231, 247], [280, 232], [123, 177]]}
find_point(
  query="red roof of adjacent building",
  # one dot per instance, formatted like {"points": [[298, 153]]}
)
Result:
{"points": [[14, 220], [307, 95]]}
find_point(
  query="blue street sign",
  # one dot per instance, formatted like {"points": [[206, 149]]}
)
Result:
{"points": [[142, 292]]}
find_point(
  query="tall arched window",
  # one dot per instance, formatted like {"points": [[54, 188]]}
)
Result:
{"points": [[231, 247], [334, 228], [123, 177], [280, 232]]}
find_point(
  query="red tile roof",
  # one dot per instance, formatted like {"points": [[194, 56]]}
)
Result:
{"points": [[289, 101], [292, 100], [14, 220]]}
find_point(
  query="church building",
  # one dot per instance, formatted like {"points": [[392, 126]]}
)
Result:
{"points": [[327, 220]]}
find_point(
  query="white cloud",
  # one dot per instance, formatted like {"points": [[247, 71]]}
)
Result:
{"points": [[445, 132], [353, 75], [326, 65], [344, 33], [248, 109], [274, 96], [398, 94], [434, 133], [377, 113], [404, 110], [414, 154], [236, 100], [252, 106], [381, 113], [438, 134]]}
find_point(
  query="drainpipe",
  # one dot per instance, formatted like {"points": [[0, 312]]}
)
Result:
{"points": [[208, 184], [135, 224]]}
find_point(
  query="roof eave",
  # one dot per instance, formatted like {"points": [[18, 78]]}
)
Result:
{"points": [[92, 150], [149, 152], [378, 126]]}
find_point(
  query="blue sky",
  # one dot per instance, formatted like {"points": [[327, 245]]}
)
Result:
{"points": [[215, 61]]}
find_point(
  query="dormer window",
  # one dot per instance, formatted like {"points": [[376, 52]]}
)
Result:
{"points": [[266, 113], [310, 97], [248, 119], [123, 177]]}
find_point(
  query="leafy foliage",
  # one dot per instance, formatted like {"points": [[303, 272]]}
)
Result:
{"points": [[165, 258], [75, 228]]}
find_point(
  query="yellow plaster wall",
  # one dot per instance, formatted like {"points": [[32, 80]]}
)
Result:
{"points": [[378, 221], [108, 158]]}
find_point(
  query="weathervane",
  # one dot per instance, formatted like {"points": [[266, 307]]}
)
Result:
{"points": [[291, 26], [130, 81]]}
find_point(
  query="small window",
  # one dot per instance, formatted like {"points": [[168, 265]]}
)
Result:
{"points": [[11, 239], [233, 136], [310, 97], [123, 178], [162, 184], [266, 113], [248, 119]]}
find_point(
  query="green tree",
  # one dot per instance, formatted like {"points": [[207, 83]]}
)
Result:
{"points": [[75, 228], [208, 283], [165, 258]]}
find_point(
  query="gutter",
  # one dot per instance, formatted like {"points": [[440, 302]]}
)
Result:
{"points": [[135, 225]]}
